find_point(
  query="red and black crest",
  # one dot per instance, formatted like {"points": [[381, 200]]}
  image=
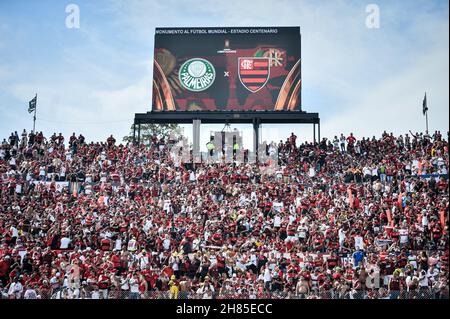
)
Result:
{"points": [[254, 73]]}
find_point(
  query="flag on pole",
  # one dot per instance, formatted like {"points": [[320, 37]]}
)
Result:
{"points": [[424, 105], [32, 105]]}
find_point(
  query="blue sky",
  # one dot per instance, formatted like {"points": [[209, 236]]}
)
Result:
{"points": [[93, 79]]}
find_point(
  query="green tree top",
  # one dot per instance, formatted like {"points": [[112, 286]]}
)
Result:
{"points": [[148, 130]]}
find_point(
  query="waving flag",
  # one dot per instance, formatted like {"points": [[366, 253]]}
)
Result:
{"points": [[424, 105], [32, 105]]}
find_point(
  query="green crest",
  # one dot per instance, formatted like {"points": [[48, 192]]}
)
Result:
{"points": [[197, 74]]}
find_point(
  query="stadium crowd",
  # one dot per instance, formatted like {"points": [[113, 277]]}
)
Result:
{"points": [[343, 218]]}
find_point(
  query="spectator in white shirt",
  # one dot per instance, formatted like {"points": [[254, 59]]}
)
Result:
{"points": [[15, 289], [423, 280], [30, 293], [267, 278], [134, 287], [65, 241], [132, 244]]}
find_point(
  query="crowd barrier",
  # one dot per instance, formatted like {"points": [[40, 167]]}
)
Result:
{"points": [[350, 295]]}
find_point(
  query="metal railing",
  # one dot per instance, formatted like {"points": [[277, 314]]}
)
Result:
{"points": [[382, 293]]}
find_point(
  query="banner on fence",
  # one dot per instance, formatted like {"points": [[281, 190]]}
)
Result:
{"points": [[59, 186]]}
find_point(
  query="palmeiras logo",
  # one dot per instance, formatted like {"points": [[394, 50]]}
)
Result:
{"points": [[254, 73], [197, 74]]}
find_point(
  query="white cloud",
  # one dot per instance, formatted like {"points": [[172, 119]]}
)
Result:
{"points": [[395, 104], [62, 110], [5, 71]]}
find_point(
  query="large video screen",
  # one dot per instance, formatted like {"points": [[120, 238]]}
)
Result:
{"points": [[227, 69]]}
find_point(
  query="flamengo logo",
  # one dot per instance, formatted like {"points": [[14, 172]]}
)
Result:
{"points": [[254, 73], [246, 64], [197, 74]]}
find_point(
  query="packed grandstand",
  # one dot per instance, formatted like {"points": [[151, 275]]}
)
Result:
{"points": [[346, 218]]}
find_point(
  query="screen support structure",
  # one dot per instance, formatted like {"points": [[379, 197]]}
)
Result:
{"points": [[314, 133], [256, 124], [318, 131], [256, 118], [196, 136]]}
